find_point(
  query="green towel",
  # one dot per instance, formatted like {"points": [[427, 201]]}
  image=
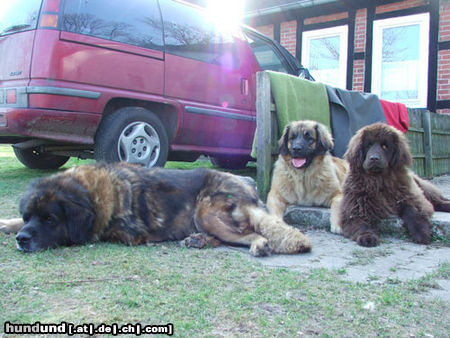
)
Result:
{"points": [[297, 99]]}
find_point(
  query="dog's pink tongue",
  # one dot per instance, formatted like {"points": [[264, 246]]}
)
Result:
{"points": [[298, 162]]}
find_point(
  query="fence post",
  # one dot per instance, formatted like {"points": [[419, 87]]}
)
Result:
{"points": [[427, 143], [263, 134]]}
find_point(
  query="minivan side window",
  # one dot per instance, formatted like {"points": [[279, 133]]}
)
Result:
{"points": [[18, 16], [188, 33], [266, 55], [135, 22]]}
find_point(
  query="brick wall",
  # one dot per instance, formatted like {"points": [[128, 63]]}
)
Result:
{"points": [[288, 39], [325, 18], [360, 46], [360, 30], [443, 87], [287, 35], [358, 75], [268, 31], [401, 5]]}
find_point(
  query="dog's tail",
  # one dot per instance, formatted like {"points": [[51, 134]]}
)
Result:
{"points": [[433, 194], [283, 238]]}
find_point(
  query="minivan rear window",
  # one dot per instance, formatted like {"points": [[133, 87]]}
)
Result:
{"points": [[18, 15], [136, 22]]}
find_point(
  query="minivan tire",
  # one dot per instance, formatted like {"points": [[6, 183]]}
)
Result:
{"points": [[33, 159], [134, 135]]}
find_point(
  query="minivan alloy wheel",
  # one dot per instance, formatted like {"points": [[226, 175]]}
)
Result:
{"points": [[139, 143], [134, 135]]}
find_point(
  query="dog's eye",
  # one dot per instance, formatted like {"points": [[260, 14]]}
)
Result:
{"points": [[384, 146], [308, 137], [48, 219]]}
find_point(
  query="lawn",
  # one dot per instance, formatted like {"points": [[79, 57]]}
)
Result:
{"points": [[210, 292]]}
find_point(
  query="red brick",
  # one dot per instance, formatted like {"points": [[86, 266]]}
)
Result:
{"points": [[400, 5], [266, 30], [444, 21], [326, 18]]}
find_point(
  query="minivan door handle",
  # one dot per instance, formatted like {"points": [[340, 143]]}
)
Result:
{"points": [[244, 87]]}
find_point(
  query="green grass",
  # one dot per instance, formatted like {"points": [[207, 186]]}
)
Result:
{"points": [[367, 256], [208, 292]]}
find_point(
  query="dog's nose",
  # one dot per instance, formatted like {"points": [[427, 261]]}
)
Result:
{"points": [[23, 238], [297, 147], [374, 158]]}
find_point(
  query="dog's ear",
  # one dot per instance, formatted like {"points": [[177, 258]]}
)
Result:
{"points": [[324, 140], [401, 156], [355, 153], [27, 196], [80, 218], [283, 146]]}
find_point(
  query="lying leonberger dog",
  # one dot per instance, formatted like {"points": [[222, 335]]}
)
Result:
{"points": [[305, 172], [130, 204], [380, 185]]}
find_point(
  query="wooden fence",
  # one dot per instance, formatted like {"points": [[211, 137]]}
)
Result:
{"points": [[429, 138], [428, 135]]}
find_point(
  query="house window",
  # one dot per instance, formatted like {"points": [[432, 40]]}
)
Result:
{"points": [[324, 53], [400, 59]]}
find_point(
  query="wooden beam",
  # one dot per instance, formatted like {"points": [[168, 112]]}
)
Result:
{"points": [[264, 134]]}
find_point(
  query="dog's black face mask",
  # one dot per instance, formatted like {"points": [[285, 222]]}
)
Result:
{"points": [[303, 141], [54, 217]]}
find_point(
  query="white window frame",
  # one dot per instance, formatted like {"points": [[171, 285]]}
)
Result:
{"points": [[378, 26], [342, 32]]}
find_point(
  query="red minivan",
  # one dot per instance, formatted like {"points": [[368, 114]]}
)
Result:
{"points": [[136, 80]]}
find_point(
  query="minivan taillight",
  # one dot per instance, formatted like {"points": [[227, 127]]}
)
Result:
{"points": [[11, 96], [49, 14]]}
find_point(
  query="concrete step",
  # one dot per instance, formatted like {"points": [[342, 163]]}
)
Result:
{"points": [[319, 218]]}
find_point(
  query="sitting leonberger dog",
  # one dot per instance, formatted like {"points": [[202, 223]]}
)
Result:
{"points": [[305, 172], [133, 205], [380, 185]]}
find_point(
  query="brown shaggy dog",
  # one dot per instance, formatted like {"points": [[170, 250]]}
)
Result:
{"points": [[380, 185], [134, 205], [305, 172]]}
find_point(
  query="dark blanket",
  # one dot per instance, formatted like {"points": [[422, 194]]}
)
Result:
{"points": [[350, 111]]}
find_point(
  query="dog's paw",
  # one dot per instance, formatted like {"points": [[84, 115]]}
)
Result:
{"points": [[11, 226], [368, 239], [422, 237], [260, 248], [336, 229], [198, 241]]}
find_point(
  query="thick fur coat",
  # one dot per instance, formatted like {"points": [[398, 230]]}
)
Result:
{"points": [[305, 172], [380, 185], [133, 205]]}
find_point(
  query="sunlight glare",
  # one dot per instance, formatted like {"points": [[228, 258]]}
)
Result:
{"points": [[226, 14]]}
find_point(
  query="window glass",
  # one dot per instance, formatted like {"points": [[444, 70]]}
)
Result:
{"points": [[18, 15], [189, 33], [400, 59], [136, 22], [400, 62], [324, 53], [265, 54]]}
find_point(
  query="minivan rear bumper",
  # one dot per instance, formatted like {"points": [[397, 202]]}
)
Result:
{"points": [[64, 126]]}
